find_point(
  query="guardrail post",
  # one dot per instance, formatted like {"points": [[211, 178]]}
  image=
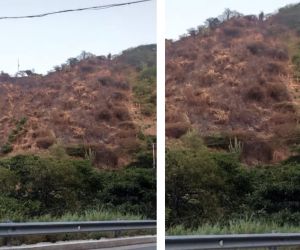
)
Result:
{"points": [[7, 241], [117, 233]]}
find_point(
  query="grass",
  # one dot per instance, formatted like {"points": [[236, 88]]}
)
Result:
{"points": [[89, 215], [245, 226]]}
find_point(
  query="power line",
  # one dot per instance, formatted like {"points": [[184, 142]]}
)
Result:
{"points": [[100, 7]]}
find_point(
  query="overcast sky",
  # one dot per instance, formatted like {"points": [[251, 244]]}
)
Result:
{"points": [[42, 43], [184, 14]]}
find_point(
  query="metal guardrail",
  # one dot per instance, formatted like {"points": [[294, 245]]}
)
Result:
{"points": [[234, 241], [38, 228]]}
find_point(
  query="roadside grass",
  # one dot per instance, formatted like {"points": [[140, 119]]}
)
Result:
{"points": [[98, 214], [242, 226], [89, 215]]}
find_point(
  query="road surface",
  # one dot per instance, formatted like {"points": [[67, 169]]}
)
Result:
{"points": [[150, 246], [129, 243]]}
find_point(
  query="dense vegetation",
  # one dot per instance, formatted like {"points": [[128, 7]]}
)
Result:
{"points": [[145, 91], [289, 16], [32, 186], [296, 62], [140, 57], [205, 187], [143, 59]]}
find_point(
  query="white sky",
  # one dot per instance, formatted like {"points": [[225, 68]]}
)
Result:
{"points": [[184, 14], [42, 43]]}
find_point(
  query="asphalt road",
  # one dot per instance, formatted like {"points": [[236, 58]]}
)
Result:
{"points": [[130, 243], [150, 246]]}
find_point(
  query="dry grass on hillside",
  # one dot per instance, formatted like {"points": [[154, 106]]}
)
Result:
{"points": [[233, 80], [86, 103]]}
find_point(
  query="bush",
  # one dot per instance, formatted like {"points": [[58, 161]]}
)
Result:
{"points": [[257, 48], [286, 107], [75, 150], [105, 81], [13, 135], [103, 115], [86, 69], [275, 68], [51, 186], [118, 96], [140, 57], [217, 141], [148, 73], [255, 93], [143, 160], [148, 109], [277, 91], [104, 157], [130, 145], [176, 130], [279, 54], [45, 142], [232, 32], [128, 125], [202, 187], [132, 190], [257, 150], [121, 113], [208, 187], [276, 191], [7, 148]]}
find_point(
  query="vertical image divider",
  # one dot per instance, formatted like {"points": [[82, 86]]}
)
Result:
{"points": [[160, 124]]}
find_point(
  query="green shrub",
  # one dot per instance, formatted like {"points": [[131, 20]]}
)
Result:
{"points": [[54, 186], [208, 187], [176, 130], [45, 142], [140, 57], [75, 150], [13, 135], [148, 109], [217, 141], [202, 186], [132, 190], [289, 16], [6, 148], [145, 90]]}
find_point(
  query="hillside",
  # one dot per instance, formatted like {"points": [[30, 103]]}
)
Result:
{"points": [[235, 81], [96, 107], [232, 158]]}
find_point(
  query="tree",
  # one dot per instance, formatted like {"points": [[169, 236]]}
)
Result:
{"points": [[4, 77], [72, 61], [29, 72], [183, 36], [212, 22], [57, 68], [85, 55], [192, 32], [261, 16], [229, 14]]}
